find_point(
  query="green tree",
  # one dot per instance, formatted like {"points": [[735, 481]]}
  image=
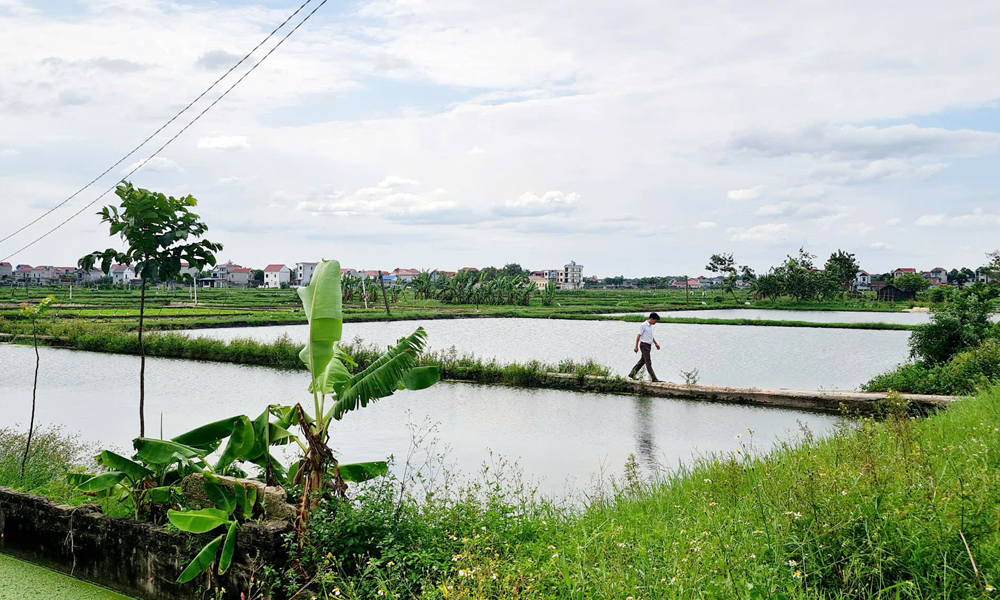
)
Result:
{"points": [[155, 228], [843, 268], [911, 282], [33, 314], [959, 325], [514, 270], [724, 264], [258, 276]]}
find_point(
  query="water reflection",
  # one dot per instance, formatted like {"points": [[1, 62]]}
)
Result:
{"points": [[646, 449]]}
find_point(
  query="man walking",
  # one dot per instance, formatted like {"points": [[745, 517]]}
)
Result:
{"points": [[645, 341]]}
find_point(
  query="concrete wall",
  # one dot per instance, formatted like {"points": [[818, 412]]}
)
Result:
{"points": [[129, 556]]}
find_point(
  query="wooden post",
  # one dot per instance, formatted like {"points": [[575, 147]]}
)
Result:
{"points": [[384, 297], [687, 290]]}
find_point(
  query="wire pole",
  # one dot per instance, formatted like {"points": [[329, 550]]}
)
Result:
{"points": [[384, 297]]}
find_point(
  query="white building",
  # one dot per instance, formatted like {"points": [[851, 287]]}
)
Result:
{"points": [[188, 271], [121, 274], [571, 277], [6, 270], [304, 272], [405, 275], [862, 281], [240, 277], [275, 275]]}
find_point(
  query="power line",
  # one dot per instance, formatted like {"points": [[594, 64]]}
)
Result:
{"points": [[165, 125], [176, 135]]}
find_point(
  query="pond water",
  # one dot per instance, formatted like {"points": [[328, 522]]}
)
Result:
{"points": [[812, 316], [778, 357], [561, 438]]}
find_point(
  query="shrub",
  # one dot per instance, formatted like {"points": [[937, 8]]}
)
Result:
{"points": [[960, 325]]}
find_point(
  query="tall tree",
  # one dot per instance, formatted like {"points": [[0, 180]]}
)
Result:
{"points": [[912, 282], [155, 228], [514, 270], [843, 268], [33, 313], [724, 264]]}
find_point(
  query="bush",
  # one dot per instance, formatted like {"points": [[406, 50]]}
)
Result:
{"points": [[962, 324], [965, 373]]}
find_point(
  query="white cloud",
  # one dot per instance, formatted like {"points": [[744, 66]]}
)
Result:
{"points": [[893, 221], [869, 142], [381, 200], [224, 142], [881, 246], [477, 150], [925, 220], [706, 225], [745, 194], [530, 205], [157, 164], [9, 152], [768, 232], [810, 210]]}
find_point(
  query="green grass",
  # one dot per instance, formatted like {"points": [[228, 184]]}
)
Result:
{"points": [[168, 308], [965, 373], [24, 581], [773, 323], [876, 510]]}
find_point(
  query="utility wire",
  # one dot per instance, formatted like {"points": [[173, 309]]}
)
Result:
{"points": [[165, 125], [176, 135]]}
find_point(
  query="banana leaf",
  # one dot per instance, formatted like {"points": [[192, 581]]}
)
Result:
{"points": [[133, 470], [241, 442], [200, 562], [321, 301], [102, 482], [160, 495], [382, 378], [361, 472], [228, 549], [419, 378], [197, 521], [209, 434], [163, 452], [246, 498], [224, 499]]}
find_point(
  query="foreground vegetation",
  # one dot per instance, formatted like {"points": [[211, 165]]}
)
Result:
{"points": [[897, 508], [956, 353]]}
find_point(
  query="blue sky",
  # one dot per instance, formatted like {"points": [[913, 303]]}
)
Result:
{"points": [[635, 138]]}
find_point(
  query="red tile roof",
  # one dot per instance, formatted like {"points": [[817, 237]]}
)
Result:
{"points": [[240, 270], [274, 268], [907, 270], [4, 264]]}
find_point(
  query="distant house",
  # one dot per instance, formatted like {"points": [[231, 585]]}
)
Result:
{"points": [[22, 272], [6, 270], [187, 271], [682, 284], [982, 275], [899, 272], [405, 275], [862, 281], [571, 277], [538, 281], [304, 272], [937, 276], [44, 274], [891, 293], [240, 277], [275, 275], [121, 274], [435, 275]]}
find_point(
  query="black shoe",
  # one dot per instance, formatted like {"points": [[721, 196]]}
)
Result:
{"points": [[656, 381], [632, 376]]}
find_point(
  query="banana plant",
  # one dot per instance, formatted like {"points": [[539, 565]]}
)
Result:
{"points": [[337, 391], [243, 497]]}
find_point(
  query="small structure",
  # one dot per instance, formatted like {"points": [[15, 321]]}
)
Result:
{"points": [[22, 273], [6, 270], [304, 272], [862, 282], [903, 271], [539, 282], [121, 274], [937, 276], [405, 275], [571, 277], [275, 275], [240, 277], [891, 293]]}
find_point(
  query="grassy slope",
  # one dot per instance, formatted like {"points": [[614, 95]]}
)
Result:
{"points": [[878, 511]]}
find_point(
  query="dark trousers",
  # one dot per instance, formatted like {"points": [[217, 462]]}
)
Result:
{"points": [[644, 349]]}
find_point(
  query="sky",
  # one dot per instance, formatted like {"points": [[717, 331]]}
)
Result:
{"points": [[635, 138]]}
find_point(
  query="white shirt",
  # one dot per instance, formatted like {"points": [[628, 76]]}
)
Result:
{"points": [[646, 333]]}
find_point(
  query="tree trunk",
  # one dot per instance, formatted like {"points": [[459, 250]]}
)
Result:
{"points": [[34, 390], [384, 296], [142, 364]]}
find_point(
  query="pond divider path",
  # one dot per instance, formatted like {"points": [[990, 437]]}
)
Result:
{"points": [[818, 400]]}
